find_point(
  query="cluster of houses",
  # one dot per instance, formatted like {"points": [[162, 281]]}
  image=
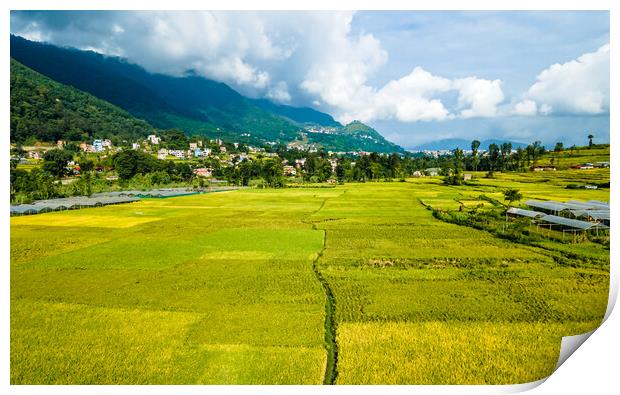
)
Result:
{"points": [[573, 216], [294, 168], [322, 129], [588, 166], [98, 145]]}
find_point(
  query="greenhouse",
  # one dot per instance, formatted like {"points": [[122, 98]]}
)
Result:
{"points": [[71, 203], [519, 212], [573, 226]]}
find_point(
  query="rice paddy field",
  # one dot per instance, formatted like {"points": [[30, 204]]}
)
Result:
{"points": [[356, 284]]}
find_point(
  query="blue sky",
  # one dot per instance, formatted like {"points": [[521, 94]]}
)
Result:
{"points": [[415, 76]]}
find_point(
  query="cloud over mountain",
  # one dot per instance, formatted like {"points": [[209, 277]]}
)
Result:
{"points": [[402, 70], [303, 58]]}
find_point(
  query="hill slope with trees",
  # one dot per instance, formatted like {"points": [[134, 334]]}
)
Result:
{"points": [[46, 110]]}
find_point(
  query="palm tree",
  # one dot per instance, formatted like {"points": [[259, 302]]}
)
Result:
{"points": [[590, 137]]}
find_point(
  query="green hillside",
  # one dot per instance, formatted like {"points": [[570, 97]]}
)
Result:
{"points": [[191, 103], [48, 111], [362, 136]]}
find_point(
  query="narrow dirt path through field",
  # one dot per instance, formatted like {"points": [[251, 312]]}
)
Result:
{"points": [[331, 367]]}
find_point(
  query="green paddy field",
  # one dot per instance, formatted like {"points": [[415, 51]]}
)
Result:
{"points": [[356, 284]]}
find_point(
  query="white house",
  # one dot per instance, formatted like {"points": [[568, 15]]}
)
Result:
{"points": [[162, 153], [177, 153], [98, 145], [153, 139]]}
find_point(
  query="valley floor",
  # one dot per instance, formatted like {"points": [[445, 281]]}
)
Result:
{"points": [[357, 284]]}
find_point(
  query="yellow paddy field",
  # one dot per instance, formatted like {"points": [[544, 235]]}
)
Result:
{"points": [[356, 284]]}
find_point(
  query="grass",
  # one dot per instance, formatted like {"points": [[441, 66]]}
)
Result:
{"points": [[220, 289]]}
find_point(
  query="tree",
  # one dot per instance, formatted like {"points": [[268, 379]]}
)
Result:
{"points": [[175, 139], [537, 150], [125, 164], [454, 168], [55, 162], [493, 157], [590, 144], [273, 173], [86, 166], [559, 147], [505, 150], [340, 171], [475, 160], [512, 195], [183, 171]]}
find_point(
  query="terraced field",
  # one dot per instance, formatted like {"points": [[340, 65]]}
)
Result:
{"points": [[356, 284]]}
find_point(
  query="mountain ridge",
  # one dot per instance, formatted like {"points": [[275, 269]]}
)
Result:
{"points": [[193, 104]]}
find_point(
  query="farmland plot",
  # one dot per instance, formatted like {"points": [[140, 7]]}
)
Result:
{"points": [[419, 301], [220, 288], [193, 296]]}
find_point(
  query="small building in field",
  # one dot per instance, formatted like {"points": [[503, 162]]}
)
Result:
{"points": [[467, 177], [289, 170], [544, 168]]}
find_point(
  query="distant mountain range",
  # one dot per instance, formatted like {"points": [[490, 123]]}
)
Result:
{"points": [[193, 104], [450, 144]]}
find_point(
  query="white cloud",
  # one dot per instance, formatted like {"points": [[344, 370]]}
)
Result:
{"points": [[410, 98], [289, 57], [414, 97], [478, 97], [525, 108], [580, 86], [279, 93]]}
